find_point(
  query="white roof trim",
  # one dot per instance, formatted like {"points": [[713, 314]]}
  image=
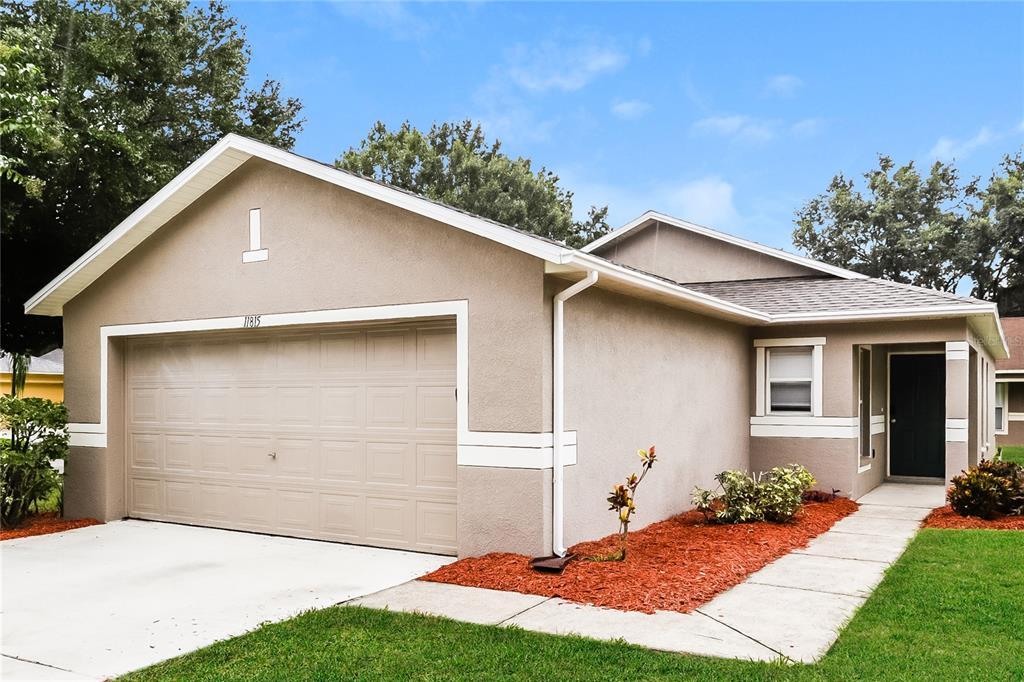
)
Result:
{"points": [[654, 216], [218, 162], [233, 150]]}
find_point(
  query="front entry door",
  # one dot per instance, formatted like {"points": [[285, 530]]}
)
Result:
{"points": [[917, 415]]}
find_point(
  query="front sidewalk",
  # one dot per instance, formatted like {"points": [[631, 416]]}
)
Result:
{"points": [[792, 609]]}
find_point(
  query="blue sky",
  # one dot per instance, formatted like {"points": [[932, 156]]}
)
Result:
{"points": [[730, 115]]}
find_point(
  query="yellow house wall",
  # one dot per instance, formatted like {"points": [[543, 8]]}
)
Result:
{"points": [[49, 386]]}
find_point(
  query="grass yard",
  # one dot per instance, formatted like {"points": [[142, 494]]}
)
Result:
{"points": [[1013, 453], [950, 609]]}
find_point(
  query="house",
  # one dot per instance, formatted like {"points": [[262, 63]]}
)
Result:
{"points": [[45, 377], [1010, 386], [274, 345]]}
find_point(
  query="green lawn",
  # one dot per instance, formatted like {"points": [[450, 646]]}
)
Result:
{"points": [[950, 609], [1013, 453]]}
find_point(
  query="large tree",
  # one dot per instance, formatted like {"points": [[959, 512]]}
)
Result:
{"points": [[455, 164], [103, 103], [934, 230]]}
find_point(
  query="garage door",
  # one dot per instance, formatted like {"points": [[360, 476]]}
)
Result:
{"points": [[343, 433]]}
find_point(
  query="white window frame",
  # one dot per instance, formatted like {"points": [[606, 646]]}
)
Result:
{"points": [[1002, 387], [762, 395]]}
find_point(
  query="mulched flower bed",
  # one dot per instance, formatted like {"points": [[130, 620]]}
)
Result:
{"points": [[945, 517], [673, 565], [42, 524]]}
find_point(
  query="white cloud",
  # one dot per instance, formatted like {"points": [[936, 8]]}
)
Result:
{"points": [[737, 126], [556, 65], [783, 85], [630, 108], [706, 201], [948, 148], [392, 17], [807, 127]]}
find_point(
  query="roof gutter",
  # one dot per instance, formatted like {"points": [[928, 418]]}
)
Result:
{"points": [[558, 412]]}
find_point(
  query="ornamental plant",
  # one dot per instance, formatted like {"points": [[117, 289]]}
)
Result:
{"points": [[774, 496], [39, 435], [621, 501], [991, 488]]}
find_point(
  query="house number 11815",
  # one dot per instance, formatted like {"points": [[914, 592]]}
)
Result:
{"points": [[251, 321]]}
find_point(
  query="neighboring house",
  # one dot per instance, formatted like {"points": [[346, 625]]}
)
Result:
{"points": [[274, 345], [45, 376], [1010, 386]]}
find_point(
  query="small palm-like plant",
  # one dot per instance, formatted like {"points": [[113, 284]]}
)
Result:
{"points": [[622, 502]]}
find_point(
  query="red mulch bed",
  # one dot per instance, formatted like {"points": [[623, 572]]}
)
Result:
{"points": [[673, 565], [945, 517], [42, 524]]}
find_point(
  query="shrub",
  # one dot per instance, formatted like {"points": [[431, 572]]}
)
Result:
{"points": [[621, 501], [773, 496], [991, 488], [38, 436]]}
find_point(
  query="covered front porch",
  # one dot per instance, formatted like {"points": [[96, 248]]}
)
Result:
{"points": [[907, 401]]}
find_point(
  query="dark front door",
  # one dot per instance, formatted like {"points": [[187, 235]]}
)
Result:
{"points": [[917, 415]]}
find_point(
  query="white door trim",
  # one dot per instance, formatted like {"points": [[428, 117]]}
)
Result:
{"points": [[495, 449]]}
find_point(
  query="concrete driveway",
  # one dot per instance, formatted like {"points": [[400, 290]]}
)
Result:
{"points": [[101, 601]]}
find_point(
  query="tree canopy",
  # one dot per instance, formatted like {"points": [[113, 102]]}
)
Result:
{"points": [[103, 103], [453, 163], [931, 230]]}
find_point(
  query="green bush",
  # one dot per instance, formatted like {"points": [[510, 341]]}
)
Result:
{"points": [[991, 488], [773, 496], [39, 435]]}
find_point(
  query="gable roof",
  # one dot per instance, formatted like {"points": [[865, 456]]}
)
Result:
{"points": [[651, 217], [233, 150], [1014, 328]]}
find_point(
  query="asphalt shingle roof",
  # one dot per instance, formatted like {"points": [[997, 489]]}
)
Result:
{"points": [[784, 295]]}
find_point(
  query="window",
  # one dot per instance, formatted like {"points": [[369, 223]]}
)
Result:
{"points": [[790, 380], [1001, 417], [864, 401]]}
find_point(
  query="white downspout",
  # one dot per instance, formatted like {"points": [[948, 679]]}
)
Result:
{"points": [[558, 411]]}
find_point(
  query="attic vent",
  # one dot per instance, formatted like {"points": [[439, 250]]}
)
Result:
{"points": [[255, 253]]}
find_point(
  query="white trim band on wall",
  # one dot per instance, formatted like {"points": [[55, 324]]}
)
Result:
{"points": [[957, 350], [804, 427], [956, 430], [877, 424]]}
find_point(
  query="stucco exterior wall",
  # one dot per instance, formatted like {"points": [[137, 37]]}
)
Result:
{"points": [[685, 256], [329, 248], [639, 374], [835, 461], [1014, 405]]}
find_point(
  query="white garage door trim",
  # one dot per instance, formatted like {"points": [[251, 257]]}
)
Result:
{"points": [[490, 448]]}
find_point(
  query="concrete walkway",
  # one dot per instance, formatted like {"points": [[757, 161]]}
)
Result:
{"points": [[792, 609]]}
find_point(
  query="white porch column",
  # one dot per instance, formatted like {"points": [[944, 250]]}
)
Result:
{"points": [[957, 401]]}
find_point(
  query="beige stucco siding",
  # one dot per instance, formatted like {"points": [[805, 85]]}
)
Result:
{"points": [[329, 248], [835, 461], [685, 256], [639, 374], [1015, 405]]}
